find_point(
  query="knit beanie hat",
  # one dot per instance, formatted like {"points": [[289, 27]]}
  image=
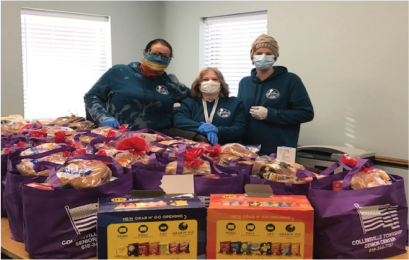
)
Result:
{"points": [[265, 41]]}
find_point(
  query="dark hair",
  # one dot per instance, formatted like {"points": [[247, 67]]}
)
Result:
{"points": [[161, 41]]}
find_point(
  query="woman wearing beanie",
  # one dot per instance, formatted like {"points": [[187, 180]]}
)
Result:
{"points": [[275, 100], [140, 95], [211, 111]]}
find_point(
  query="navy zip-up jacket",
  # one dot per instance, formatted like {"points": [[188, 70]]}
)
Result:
{"points": [[229, 117], [124, 93], [288, 104]]}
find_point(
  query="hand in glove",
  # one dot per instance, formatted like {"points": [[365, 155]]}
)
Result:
{"points": [[259, 112], [206, 128], [212, 137], [112, 122]]}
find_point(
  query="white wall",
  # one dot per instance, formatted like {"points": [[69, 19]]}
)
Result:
{"points": [[351, 56], [133, 25]]}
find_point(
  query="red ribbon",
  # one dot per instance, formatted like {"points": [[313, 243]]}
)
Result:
{"points": [[39, 133], [59, 137], [111, 133], [134, 144], [192, 156], [101, 152], [79, 151], [21, 144]]}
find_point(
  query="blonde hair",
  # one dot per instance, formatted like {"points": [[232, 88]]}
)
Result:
{"points": [[195, 89]]}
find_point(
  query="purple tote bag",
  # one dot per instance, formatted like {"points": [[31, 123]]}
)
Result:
{"points": [[366, 223], [231, 179], [62, 223], [12, 194], [4, 161], [280, 188]]}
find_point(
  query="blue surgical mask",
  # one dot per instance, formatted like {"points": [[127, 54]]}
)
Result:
{"points": [[263, 62], [160, 60]]}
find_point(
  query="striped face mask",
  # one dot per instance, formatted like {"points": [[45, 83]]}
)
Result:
{"points": [[153, 67], [156, 63]]}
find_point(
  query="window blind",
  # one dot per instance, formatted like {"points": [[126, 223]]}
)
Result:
{"points": [[227, 44], [64, 54]]}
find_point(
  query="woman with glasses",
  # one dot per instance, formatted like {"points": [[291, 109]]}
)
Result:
{"points": [[275, 100], [139, 95], [211, 111]]}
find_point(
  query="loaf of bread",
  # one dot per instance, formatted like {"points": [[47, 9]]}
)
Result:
{"points": [[84, 174]]}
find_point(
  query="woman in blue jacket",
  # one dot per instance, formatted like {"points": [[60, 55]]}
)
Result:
{"points": [[275, 100], [140, 95], [211, 111]]}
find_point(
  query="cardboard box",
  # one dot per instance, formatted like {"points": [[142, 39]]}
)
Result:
{"points": [[151, 227], [259, 225]]}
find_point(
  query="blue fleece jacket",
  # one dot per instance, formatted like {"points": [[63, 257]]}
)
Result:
{"points": [[288, 104], [124, 93], [229, 117]]}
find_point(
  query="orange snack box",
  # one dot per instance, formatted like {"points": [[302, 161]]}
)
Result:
{"points": [[259, 225]]}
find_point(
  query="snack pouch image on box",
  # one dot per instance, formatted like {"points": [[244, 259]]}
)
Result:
{"points": [[152, 228], [242, 227]]}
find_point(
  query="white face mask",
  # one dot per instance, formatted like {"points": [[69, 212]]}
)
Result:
{"points": [[210, 87], [263, 62]]}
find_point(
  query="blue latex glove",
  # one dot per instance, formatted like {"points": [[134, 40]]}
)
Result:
{"points": [[112, 122], [212, 137], [206, 128]]}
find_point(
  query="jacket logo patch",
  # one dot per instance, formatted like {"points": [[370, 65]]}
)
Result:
{"points": [[162, 90], [272, 93], [222, 112]]}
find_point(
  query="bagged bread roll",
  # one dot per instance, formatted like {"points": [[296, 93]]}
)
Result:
{"points": [[151, 137], [84, 125], [203, 169], [368, 178], [126, 158], [170, 143], [66, 120], [84, 174], [40, 149], [192, 164], [103, 131], [26, 166], [11, 128], [53, 129], [234, 151], [275, 170]]}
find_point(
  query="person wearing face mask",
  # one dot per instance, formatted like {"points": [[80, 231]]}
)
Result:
{"points": [[275, 100], [139, 95], [211, 111]]}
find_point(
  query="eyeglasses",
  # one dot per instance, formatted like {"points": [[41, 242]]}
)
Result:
{"points": [[159, 55]]}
